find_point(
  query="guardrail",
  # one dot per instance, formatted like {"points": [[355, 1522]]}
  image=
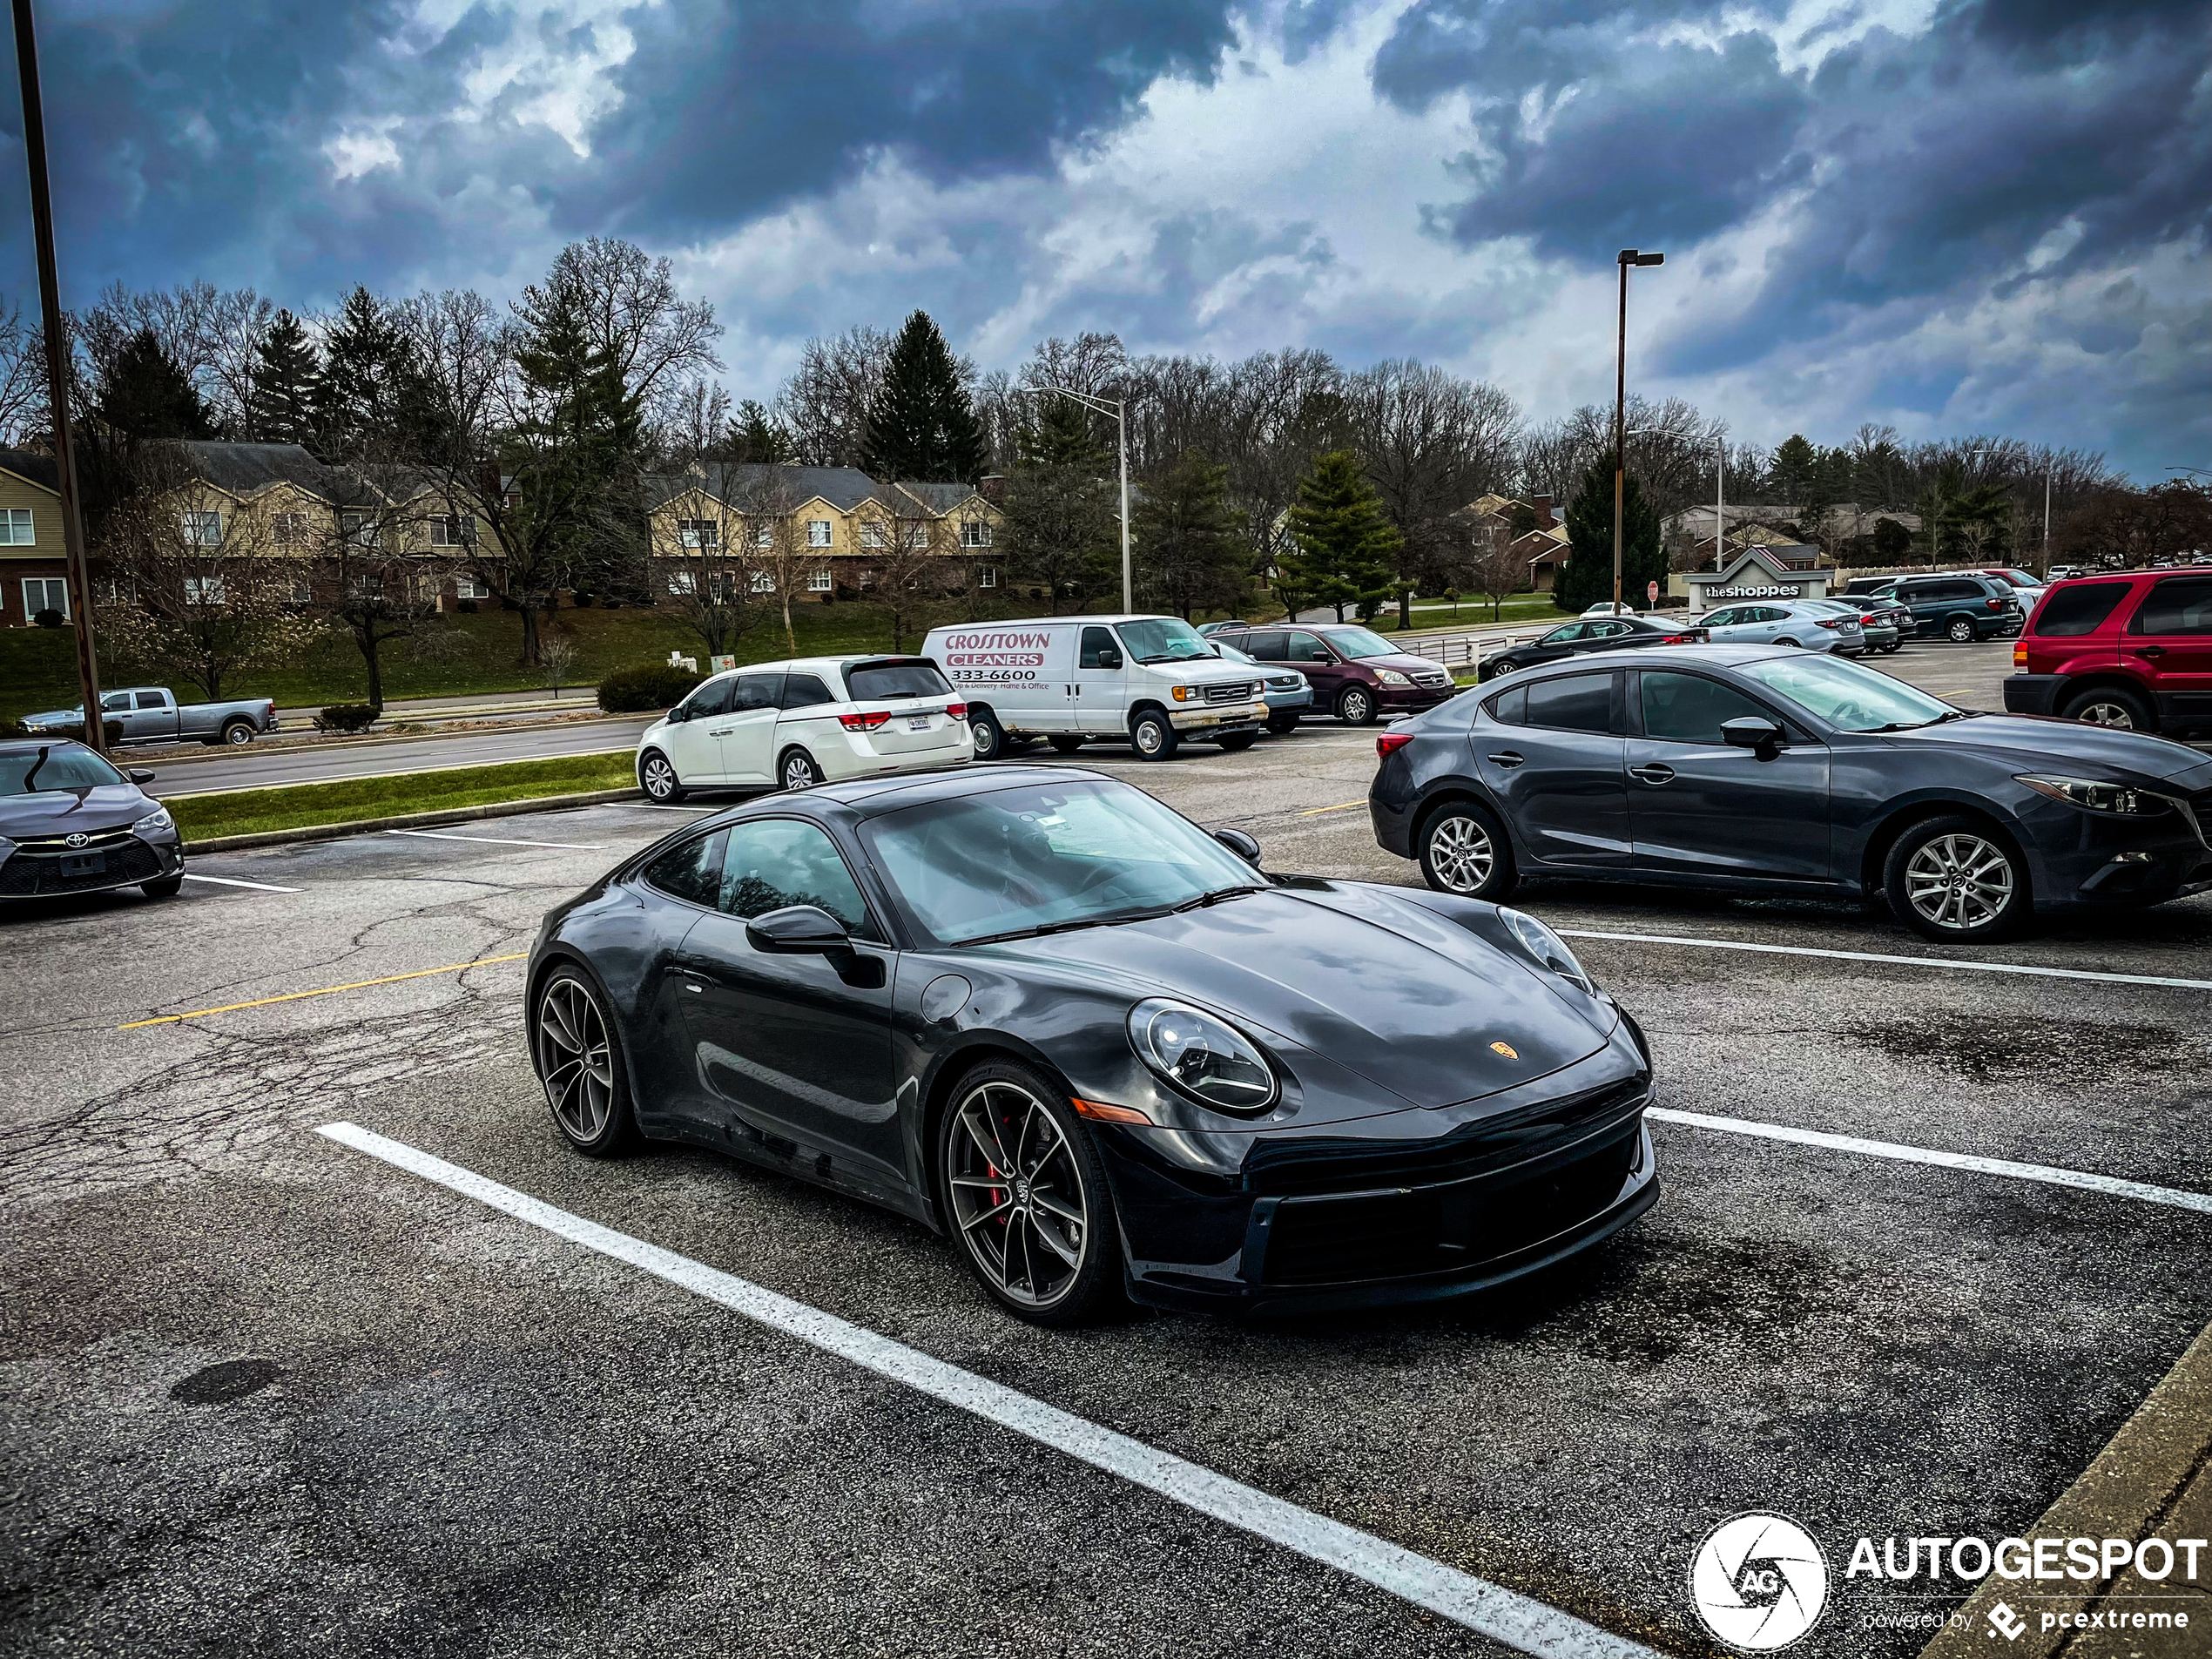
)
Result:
{"points": [[1467, 651]]}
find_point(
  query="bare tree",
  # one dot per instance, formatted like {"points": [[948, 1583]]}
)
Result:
{"points": [[825, 403], [657, 339], [917, 558], [778, 562], [1489, 565], [23, 377], [710, 576]]}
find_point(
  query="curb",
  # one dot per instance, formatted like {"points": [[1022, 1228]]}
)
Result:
{"points": [[407, 820], [2154, 1476]]}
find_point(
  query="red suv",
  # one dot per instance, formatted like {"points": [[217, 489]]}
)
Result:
{"points": [[2133, 649]]}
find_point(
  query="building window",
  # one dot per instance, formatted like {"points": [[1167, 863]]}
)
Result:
{"points": [[762, 582], [202, 530], [15, 527], [975, 533], [870, 533], [289, 529], [467, 587], [987, 575], [817, 580], [303, 590], [202, 589], [360, 530], [764, 536], [453, 529], [46, 593], [698, 533], [818, 532], [368, 588], [722, 587], [918, 537], [681, 583], [867, 579]]}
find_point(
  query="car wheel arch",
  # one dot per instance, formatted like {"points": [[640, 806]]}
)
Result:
{"points": [[560, 955], [1461, 791], [946, 1070], [1875, 854]]}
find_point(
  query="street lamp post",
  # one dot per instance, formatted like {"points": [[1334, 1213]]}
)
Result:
{"points": [[1119, 409], [49, 302], [1628, 256]]}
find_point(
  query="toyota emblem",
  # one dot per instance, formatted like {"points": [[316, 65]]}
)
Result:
{"points": [[75, 837]]}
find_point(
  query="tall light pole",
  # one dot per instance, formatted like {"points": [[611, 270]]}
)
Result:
{"points": [[1720, 512], [1119, 409], [1628, 257], [49, 303]]}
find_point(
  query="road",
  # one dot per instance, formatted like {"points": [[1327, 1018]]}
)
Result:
{"points": [[1971, 674], [267, 1394]]}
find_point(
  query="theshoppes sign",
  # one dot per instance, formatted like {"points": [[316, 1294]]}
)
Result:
{"points": [[1737, 592]]}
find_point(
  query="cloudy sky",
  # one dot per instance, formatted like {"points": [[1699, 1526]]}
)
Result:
{"points": [[1953, 216]]}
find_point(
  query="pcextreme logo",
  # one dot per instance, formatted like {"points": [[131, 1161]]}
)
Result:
{"points": [[1758, 1582]]}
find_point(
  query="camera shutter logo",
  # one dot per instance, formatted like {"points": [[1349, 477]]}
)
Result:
{"points": [[1758, 1582]]}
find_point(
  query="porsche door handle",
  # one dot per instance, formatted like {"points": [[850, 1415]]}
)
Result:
{"points": [[1654, 774], [1510, 758]]}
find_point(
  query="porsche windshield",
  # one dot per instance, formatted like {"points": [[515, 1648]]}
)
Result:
{"points": [[1047, 858]]}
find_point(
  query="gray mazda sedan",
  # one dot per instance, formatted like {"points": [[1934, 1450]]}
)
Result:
{"points": [[71, 822], [1753, 770]]}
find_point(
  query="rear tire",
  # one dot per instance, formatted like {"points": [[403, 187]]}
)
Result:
{"points": [[1356, 705], [1463, 851], [1065, 745], [2112, 706], [799, 770], [1954, 879], [987, 734], [579, 1064], [238, 733], [1238, 743], [167, 887], [1791, 644], [1154, 736], [657, 777], [1960, 631]]}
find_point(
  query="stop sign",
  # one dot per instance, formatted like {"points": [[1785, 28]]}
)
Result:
{"points": [[1651, 591]]}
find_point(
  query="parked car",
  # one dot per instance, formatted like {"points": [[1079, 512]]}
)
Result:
{"points": [[1289, 695], [2131, 650], [1577, 638], [1959, 606], [1210, 629], [1097, 1049], [1747, 769], [71, 822], [1810, 625], [797, 723], [1865, 587], [151, 714], [2065, 573], [1356, 674], [1607, 608], [1150, 681], [1882, 622], [2025, 589]]}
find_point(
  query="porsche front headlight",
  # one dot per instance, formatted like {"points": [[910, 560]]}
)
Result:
{"points": [[1547, 948], [2117, 799], [1203, 1056]]}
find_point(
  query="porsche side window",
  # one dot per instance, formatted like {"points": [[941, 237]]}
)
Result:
{"points": [[1574, 703], [779, 861], [692, 872]]}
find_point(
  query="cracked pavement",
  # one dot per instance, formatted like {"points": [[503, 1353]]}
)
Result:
{"points": [[261, 1394]]}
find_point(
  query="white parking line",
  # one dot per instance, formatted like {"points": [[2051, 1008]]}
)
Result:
{"points": [[1902, 961], [502, 840], [2080, 1179], [232, 881], [1504, 1614], [657, 806]]}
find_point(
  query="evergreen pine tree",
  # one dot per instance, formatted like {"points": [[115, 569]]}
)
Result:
{"points": [[374, 398], [756, 436], [145, 396], [287, 379], [1346, 548], [1587, 578], [1060, 528], [920, 426], [1189, 548]]}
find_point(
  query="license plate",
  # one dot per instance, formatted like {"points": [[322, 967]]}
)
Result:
{"points": [[917, 723], [84, 863]]}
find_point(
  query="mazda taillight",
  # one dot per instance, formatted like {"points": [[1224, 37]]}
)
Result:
{"points": [[956, 710], [1390, 743], [865, 722]]}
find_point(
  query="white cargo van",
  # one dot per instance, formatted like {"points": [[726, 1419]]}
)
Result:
{"points": [[1150, 681]]}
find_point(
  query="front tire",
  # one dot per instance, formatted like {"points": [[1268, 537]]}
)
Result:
{"points": [[799, 770], [1154, 736], [1463, 851], [1356, 706], [1954, 879], [1281, 725], [1026, 1196], [579, 1062], [167, 887], [2112, 706], [657, 777], [1960, 631]]}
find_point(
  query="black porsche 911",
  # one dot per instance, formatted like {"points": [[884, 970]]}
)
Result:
{"points": [[1040, 1012]]}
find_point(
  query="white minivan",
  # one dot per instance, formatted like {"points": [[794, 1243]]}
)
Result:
{"points": [[815, 719], [1148, 681]]}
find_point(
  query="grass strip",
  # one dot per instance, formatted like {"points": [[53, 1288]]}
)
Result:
{"points": [[255, 812]]}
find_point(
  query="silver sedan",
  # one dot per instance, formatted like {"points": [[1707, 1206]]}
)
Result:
{"points": [[1806, 624]]}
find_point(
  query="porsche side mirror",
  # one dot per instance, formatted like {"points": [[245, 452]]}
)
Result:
{"points": [[1241, 844], [140, 775], [798, 928], [1751, 731]]}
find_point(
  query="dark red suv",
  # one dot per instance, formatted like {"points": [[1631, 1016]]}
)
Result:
{"points": [[1355, 673], [2133, 649]]}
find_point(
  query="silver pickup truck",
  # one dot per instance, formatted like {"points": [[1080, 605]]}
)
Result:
{"points": [[151, 714]]}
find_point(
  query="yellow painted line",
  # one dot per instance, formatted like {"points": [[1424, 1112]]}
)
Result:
{"points": [[327, 990], [1346, 806]]}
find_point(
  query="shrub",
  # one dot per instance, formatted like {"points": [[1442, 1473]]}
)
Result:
{"points": [[466, 607], [47, 618], [581, 601], [348, 717], [609, 605], [651, 685]]}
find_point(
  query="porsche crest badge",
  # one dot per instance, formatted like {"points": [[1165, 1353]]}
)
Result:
{"points": [[1506, 1050]]}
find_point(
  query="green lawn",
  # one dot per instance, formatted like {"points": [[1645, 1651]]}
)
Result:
{"points": [[255, 811]]}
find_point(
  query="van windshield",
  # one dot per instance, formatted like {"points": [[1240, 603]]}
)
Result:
{"points": [[1163, 639]]}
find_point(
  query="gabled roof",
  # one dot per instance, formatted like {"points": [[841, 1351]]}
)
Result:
{"points": [[249, 469], [744, 485], [32, 468], [1775, 561], [939, 498]]}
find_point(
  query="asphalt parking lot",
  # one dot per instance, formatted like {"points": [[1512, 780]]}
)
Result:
{"points": [[265, 1393]]}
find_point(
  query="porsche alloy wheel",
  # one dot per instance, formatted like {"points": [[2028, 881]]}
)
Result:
{"points": [[1025, 1194], [578, 1064]]}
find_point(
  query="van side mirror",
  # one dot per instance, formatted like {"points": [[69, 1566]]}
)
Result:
{"points": [[798, 928], [1241, 844], [1109, 659], [1751, 731], [677, 715]]}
